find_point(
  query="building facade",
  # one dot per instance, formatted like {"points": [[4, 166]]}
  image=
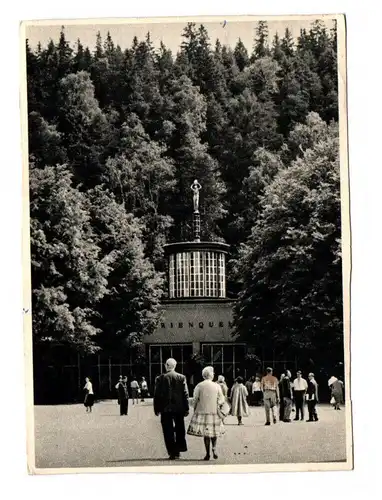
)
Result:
{"points": [[195, 329], [196, 322]]}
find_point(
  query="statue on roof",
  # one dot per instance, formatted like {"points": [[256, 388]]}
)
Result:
{"points": [[196, 187]]}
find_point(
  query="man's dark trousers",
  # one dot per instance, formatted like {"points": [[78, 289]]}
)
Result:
{"points": [[299, 400], [123, 405], [174, 432], [312, 410]]}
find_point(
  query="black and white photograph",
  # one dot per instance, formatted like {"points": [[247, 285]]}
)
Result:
{"points": [[188, 244]]}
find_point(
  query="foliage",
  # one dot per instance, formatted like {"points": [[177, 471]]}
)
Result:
{"points": [[69, 277], [291, 264], [117, 136]]}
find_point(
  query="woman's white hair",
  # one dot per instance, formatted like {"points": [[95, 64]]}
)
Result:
{"points": [[208, 372], [221, 378]]}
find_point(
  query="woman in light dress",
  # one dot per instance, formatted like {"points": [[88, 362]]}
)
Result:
{"points": [[89, 395], [239, 405], [205, 422]]}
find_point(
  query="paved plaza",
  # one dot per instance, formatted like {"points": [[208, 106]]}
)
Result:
{"points": [[66, 436]]}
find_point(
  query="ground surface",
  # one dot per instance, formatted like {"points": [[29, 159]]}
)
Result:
{"points": [[68, 437]]}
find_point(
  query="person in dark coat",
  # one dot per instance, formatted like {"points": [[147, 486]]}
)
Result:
{"points": [[171, 402], [281, 407], [123, 396], [312, 398], [248, 386], [286, 395]]}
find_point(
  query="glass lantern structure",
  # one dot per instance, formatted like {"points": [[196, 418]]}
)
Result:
{"points": [[197, 270]]}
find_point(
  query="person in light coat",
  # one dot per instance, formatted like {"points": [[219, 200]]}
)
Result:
{"points": [[337, 392], [205, 421], [223, 385], [239, 403]]}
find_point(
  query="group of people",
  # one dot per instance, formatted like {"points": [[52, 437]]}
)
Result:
{"points": [[273, 392], [290, 395], [171, 402], [212, 402], [137, 390]]}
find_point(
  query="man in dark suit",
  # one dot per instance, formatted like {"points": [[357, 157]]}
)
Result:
{"points": [[171, 402], [123, 395]]}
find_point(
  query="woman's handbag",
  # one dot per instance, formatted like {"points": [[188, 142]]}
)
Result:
{"points": [[223, 410]]}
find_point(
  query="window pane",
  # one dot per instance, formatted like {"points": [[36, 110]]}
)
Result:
{"points": [[155, 354], [166, 353], [239, 353], [207, 353], [187, 352], [228, 372], [218, 352], [172, 276], [156, 370], [228, 353], [177, 354]]}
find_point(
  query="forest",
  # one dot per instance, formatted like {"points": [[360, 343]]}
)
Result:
{"points": [[116, 137]]}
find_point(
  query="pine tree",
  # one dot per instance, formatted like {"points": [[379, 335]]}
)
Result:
{"points": [[184, 114], [85, 128], [241, 55], [164, 64], [65, 56], [277, 51], [287, 43], [34, 79], [261, 46], [49, 71], [142, 178], [231, 68]]}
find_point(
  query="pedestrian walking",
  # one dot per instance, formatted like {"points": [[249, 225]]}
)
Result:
{"points": [[144, 389], [312, 398], [89, 395], [286, 395], [337, 392], [239, 405], [134, 386], [293, 400], [248, 386], [281, 406], [210, 407], [223, 386], [123, 395], [270, 388], [257, 392], [171, 403], [116, 386], [300, 386]]}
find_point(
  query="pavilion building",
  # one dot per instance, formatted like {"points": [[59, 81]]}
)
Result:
{"points": [[197, 315]]}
